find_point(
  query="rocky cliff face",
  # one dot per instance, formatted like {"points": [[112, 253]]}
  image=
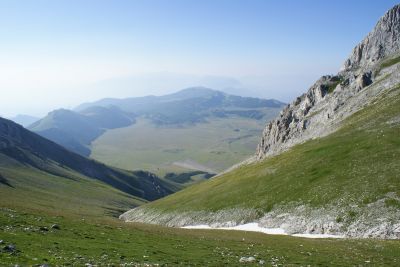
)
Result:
{"points": [[333, 98], [382, 41]]}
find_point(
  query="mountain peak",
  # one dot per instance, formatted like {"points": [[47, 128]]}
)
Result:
{"points": [[382, 41], [195, 92], [331, 99]]}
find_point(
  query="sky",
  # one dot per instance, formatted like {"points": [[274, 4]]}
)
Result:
{"points": [[58, 54]]}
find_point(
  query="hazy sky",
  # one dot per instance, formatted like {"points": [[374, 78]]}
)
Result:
{"points": [[60, 53]]}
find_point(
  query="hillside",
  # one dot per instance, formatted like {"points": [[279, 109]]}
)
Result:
{"points": [[328, 164], [58, 208], [76, 131], [26, 152], [79, 241]]}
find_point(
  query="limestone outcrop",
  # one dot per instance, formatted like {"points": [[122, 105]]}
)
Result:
{"points": [[331, 99]]}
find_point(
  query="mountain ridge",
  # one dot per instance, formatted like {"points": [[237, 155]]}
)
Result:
{"points": [[76, 131], [331, 99], [190, 92]]}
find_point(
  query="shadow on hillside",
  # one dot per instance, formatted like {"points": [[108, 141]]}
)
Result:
{"points": [[4, 181]]}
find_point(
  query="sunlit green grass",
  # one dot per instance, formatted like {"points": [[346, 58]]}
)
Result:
{"points": [[388, 63], [29, 187], [105, 241], [358, 164]]}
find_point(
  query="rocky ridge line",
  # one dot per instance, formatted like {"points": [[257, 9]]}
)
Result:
{"points": [[333, 98]]}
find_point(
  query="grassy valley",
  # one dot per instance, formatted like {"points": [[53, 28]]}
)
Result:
{"points": [[193, 129], [212, 146]]}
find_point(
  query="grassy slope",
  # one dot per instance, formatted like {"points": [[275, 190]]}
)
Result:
{"points": [[106, 241], [31, 149], [216, 144], [357, 164], [41, 191], [388, 63]]}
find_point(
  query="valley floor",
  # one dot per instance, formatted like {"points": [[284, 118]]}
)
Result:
{"points": [[107, 241], [212, 147]]}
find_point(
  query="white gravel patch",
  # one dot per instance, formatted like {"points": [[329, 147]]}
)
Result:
{"points": [[318, 236], [254, 227]]}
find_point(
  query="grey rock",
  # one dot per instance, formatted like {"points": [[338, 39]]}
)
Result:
{"points": [[222, 218], [10, 248], [381, 42], [364, 80], [56, 226], [247, 259], [375, 220], [44, 229]]}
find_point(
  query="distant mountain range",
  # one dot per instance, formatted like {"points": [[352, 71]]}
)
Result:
{"points": [[24, 120], [189, 106], [78, 129], [192, 105]]}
